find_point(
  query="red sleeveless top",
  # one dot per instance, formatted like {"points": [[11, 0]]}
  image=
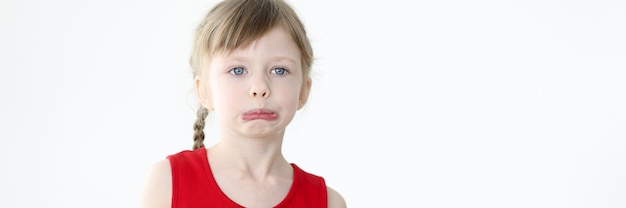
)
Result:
{"points": [[193, 185]]}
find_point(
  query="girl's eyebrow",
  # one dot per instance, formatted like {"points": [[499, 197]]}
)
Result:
{"points": [[284, 58], [274, 59], [235, 59]]}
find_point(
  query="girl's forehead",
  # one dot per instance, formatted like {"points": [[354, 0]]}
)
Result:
{"points": [[276, 44]]}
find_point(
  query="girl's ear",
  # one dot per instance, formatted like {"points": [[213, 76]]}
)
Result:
{"points": [[304, 92], [203, 92]]}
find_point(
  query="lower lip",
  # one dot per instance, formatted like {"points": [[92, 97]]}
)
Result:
{"points": [[263, 116]]}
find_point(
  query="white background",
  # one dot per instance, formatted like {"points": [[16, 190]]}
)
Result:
{"points": [[414, 103]]}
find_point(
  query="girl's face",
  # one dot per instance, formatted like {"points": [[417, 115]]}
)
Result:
{"points": [[255, 91]]}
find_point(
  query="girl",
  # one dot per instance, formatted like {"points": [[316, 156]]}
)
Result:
{"points": [[251, 61]]}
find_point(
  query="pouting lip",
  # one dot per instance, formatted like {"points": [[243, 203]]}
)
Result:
{"points": [[259, 111]]}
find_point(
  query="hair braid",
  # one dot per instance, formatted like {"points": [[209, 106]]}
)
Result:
{"points": [[198, 128]]}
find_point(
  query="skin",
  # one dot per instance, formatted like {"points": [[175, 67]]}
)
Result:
{"points": [[247, 162]]}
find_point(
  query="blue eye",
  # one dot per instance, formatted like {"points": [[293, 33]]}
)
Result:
{"points": [[279, 71], [237, 71]]}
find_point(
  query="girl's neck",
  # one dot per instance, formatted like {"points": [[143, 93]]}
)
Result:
{"points": [[257, 157]]}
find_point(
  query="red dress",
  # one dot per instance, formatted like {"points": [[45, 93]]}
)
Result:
{"points": [[193, 185]]}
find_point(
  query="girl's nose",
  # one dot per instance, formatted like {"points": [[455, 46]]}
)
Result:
{"points": [[260, 88], [260, 93]]}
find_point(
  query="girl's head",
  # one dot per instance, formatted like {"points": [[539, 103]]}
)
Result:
{"points": [[230, 50]]}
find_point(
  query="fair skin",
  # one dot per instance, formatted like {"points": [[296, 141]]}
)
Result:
{"points": [[254, 92]]}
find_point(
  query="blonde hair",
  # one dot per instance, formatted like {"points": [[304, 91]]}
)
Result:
{"points": [[234, 24]]}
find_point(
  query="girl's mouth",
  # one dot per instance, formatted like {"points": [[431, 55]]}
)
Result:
{"points": [[259, 113]]}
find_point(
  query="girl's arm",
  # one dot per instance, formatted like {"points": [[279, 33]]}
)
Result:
{"points": [[157, 192]]}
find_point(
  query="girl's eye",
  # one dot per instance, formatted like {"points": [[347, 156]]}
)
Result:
{"points": [[237, 71], [279, 71]]}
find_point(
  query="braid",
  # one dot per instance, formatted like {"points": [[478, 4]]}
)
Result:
{"points": [[198, 128]]}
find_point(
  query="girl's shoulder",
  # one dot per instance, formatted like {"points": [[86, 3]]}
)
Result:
{"points": [[311, 183], [335, 200], [157, 191]]}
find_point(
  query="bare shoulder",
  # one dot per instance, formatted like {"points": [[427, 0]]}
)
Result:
{"points": [[335, 200], [157, 190]]}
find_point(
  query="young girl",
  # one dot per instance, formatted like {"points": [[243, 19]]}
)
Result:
{"points": [[251, 61]]}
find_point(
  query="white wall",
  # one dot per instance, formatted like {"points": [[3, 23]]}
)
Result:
{"points": [[415, 103]]}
